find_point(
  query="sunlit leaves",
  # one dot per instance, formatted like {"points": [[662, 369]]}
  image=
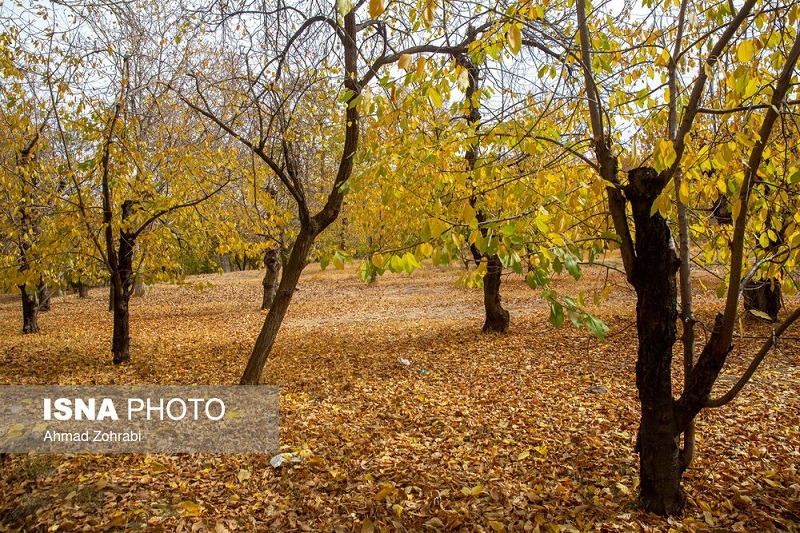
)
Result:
{"points": [[344, 6], [404, 62], [376, 8], [514, 38], [429, 12], [664, 155], [745, 51]]}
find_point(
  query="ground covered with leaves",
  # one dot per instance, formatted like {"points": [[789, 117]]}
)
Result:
{"points": [[529, 431]]}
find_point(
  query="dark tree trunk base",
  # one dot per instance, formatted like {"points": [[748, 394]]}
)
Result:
{"points": [[30, 311], [660, 463], [497, 318]]}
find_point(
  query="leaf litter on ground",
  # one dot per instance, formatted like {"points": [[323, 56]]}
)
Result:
{"points": [[478, 432]]}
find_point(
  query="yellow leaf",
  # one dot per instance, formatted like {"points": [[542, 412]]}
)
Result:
{"points": [[15, 431], [665, 155], [514, 39], [118, 520], [383, 493], [497, 526], [683, 192], [435, 97], [523, 455], [404, 62], [420, 66], [429, 12], [191, 508], [474, 491], [376, 8], [468, 215], [745, 51], [463, 79], [377, 260], [344, 6], [760, 314]]}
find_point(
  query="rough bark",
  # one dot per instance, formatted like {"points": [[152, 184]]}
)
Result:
{"points": [[121, 284], [653, 276], [763, 296], [497, 318], [272, 263], [121, 287], [83, 290], [30, 311]]}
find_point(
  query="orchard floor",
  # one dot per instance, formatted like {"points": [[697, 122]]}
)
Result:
{"points": [[479, 433]]}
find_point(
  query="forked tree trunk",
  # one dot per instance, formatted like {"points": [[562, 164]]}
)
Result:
{"points": [[654, 272], [44, 297], [497, 318], [30, 311], [763, 296], [272, 263]]}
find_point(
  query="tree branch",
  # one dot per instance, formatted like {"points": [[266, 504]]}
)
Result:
{"points": [[762, 353]]}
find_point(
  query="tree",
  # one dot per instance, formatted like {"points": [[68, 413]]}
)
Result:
{"points": [[651, 261], [130, 147], [272, 107], [26, 175]]}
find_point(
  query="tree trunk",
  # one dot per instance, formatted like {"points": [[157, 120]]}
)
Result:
{"points": [[83, 289], [272, 262], [764, 296], [497, 318], [139, 288], [225, 263], [30, 311], [121, 288], [120, 344], [44, 297], [280, 304], [654, 269]]}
